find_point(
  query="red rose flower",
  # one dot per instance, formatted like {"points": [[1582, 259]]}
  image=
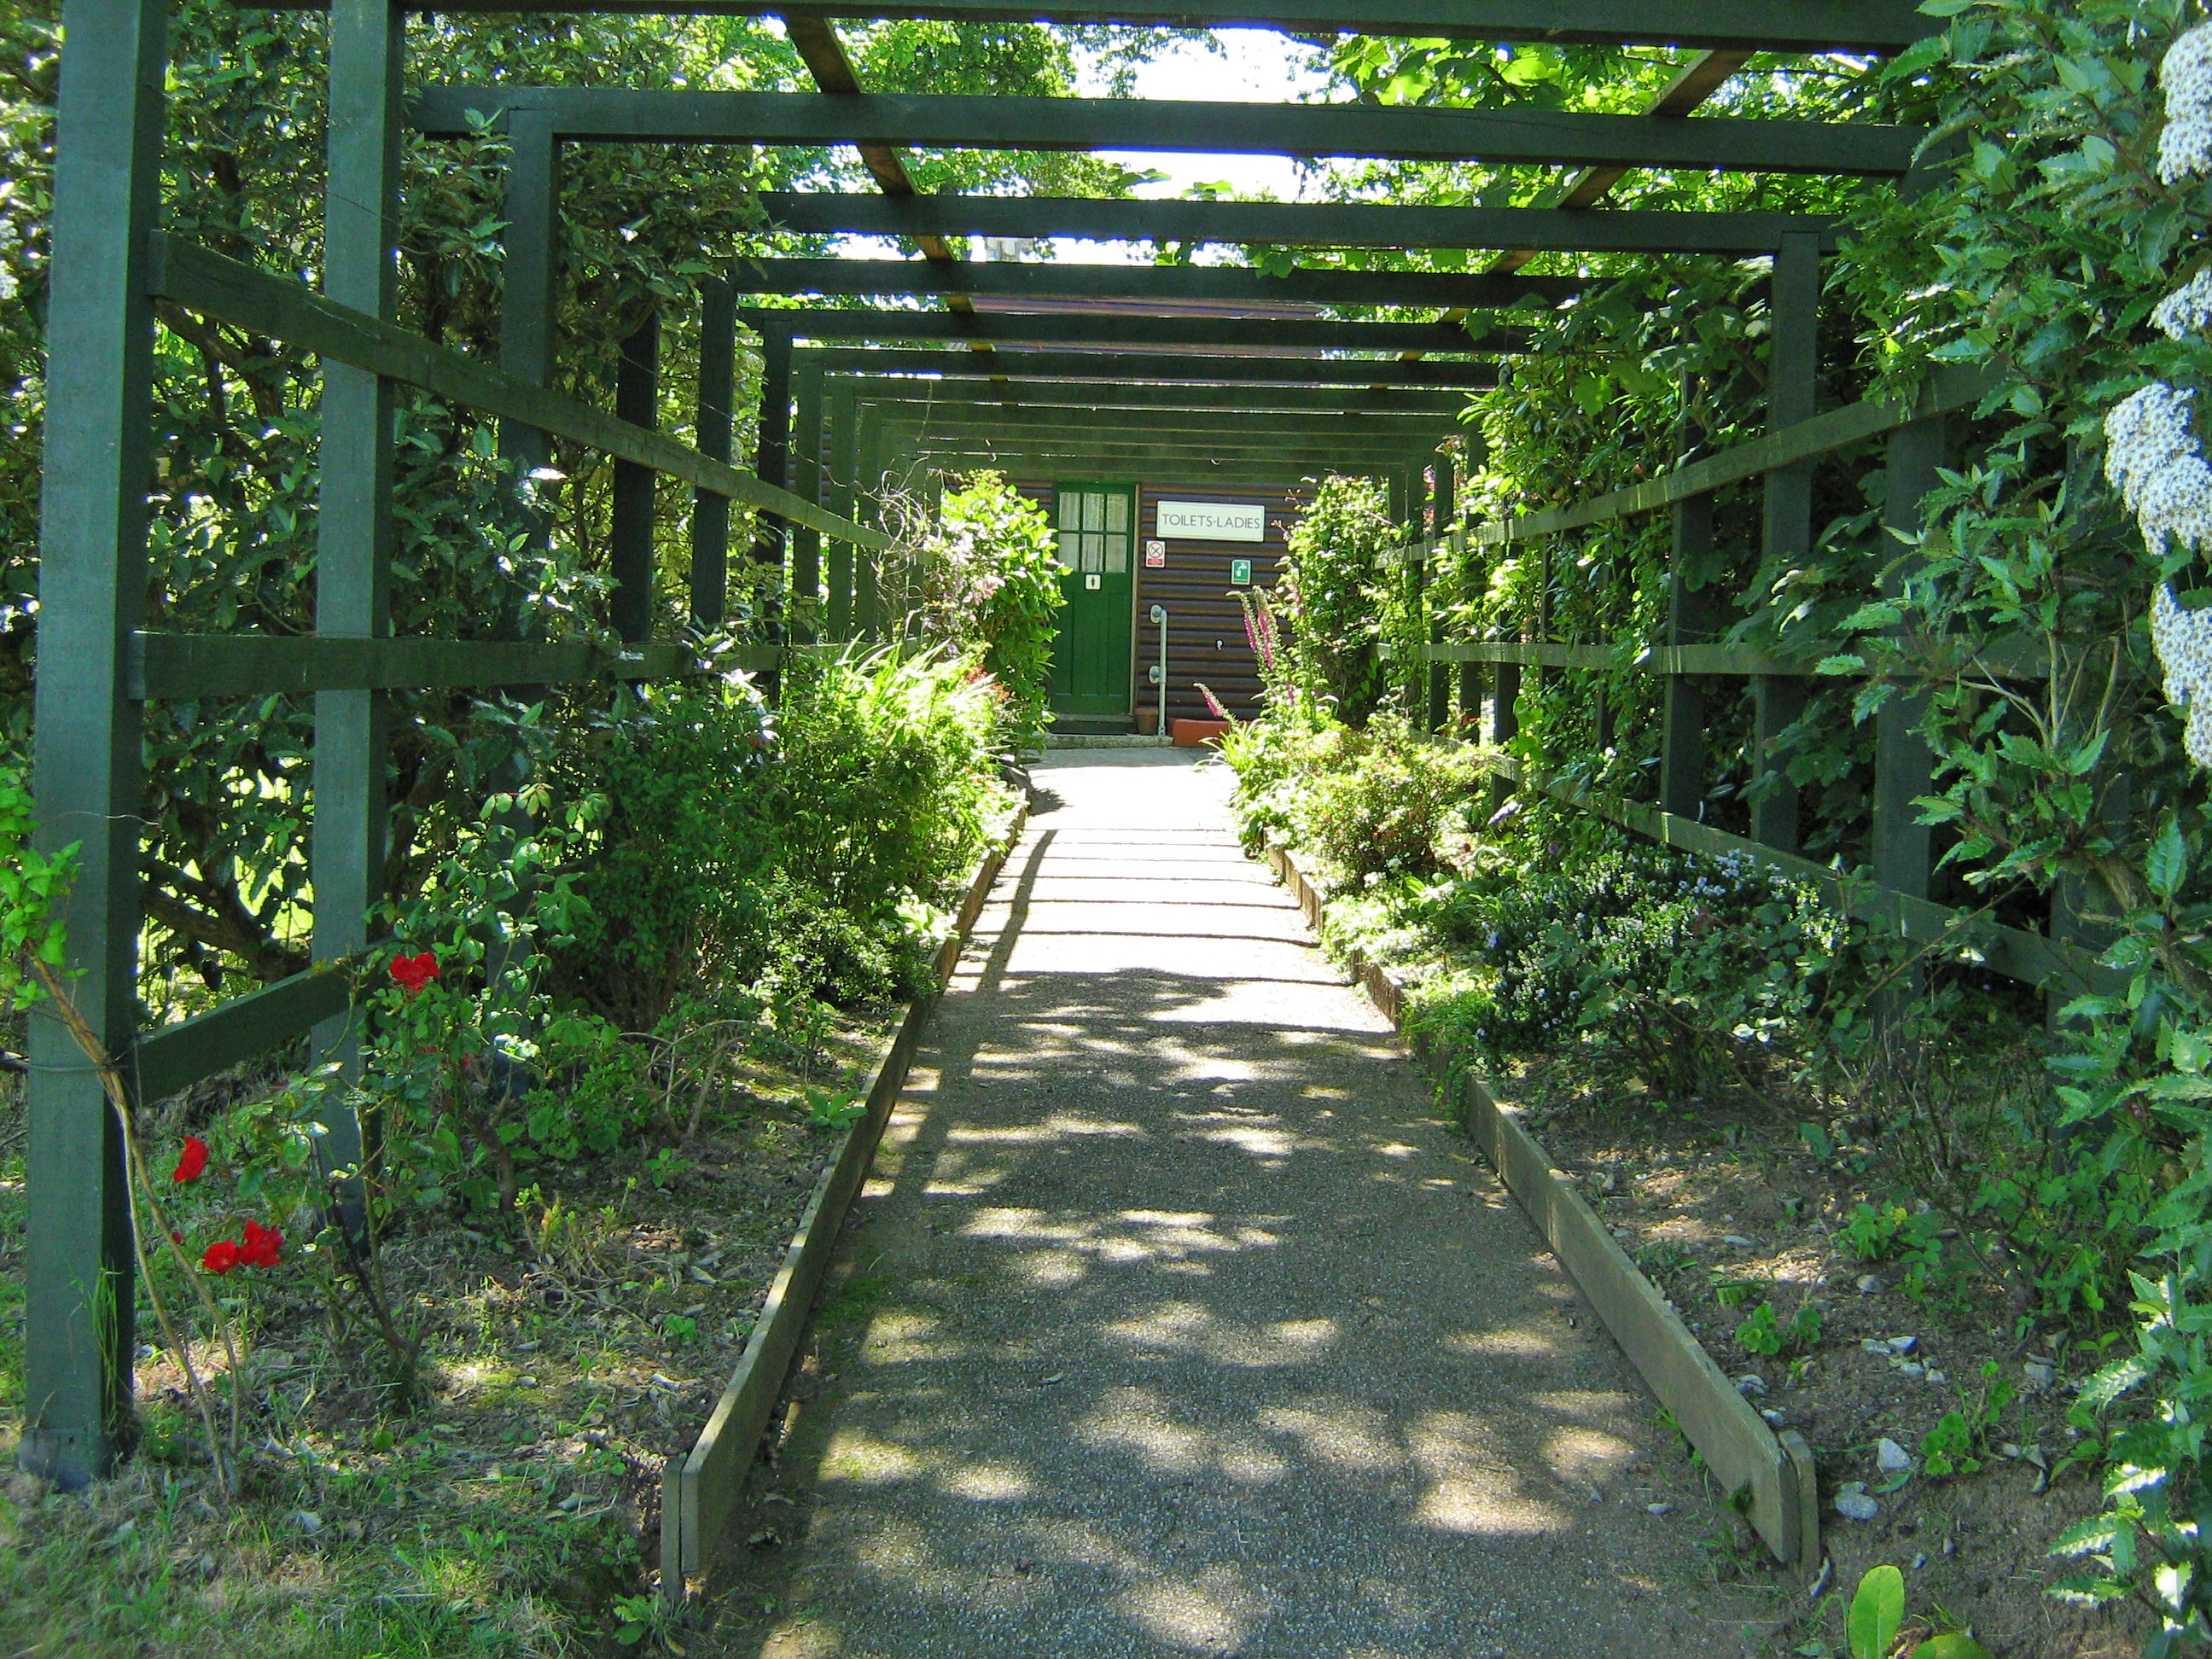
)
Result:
{"points": [[221, 1256], [262, 1246], [191, 1160], [413, 973]]}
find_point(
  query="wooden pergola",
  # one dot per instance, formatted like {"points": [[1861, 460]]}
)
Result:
{"points": [[1101, 362]]}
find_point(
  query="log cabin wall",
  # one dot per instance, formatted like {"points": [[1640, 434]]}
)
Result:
{"points": [[1207, 640]]}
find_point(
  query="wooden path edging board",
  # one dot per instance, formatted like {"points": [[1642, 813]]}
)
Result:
{"points": [[1743, 1453], [700, 1490]]}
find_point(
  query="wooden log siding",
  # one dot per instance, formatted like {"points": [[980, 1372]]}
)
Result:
{"points": [[1205, 625]]}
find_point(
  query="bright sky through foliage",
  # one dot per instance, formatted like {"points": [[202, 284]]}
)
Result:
{"points": [[1251, 66]]}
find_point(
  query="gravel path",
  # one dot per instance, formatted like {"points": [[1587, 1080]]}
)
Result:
{"points": [[1175, 1322]]}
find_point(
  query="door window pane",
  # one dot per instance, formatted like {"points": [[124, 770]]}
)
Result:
{"points": [[1067, 551], [1117, 512], [1094, 553], [1071, 509], [1094, 511], [1117, 555]]}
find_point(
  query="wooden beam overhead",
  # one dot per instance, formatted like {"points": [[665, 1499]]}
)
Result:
{"points": [[1224, 333], [1789, 26], [1421, 288], [1288, 224], [1501, 137], [963, 416], [1212, 368], [1086, 394]]}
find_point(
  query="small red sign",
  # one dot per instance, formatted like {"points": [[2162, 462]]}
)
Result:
{"points": [[1155, 560]]}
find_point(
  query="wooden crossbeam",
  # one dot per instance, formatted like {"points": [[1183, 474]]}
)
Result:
{"points": [[1054, 328], [955, 417], [1215, 368], [1101, 395], [1498, 137], [1786, 25], [1288, 224], [1136, 283]]}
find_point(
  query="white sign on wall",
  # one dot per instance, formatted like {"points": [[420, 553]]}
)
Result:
{"points": [[1213, 521]]}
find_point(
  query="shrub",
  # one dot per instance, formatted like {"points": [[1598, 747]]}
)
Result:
{"points": [[1680, 965], [1378, 810], [991, 584], [1326, 602], [801, 854]]}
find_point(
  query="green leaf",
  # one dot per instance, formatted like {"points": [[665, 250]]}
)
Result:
{"points": [[1951, 1645], [2168, 866], [1880, 614], [1877, 1610], [1843, 665]]}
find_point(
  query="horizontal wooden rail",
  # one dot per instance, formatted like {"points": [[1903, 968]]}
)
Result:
{"points": [[2007, 661], [1152, 284], [177, 666], [1291, 224], [1213, 368], [1948, 390], [1121, 331], [2012, 952], [284, 310], [173, 1057], [1518, 137], [1790, 26]]}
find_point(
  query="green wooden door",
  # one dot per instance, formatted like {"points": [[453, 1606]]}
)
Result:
{"points": [[1097, 524]]}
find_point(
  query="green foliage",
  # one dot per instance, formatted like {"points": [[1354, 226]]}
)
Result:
{"points": [[772, 859], [1956, 1444], [1877, 1612], [1685, 969], [1326, 599], [32, 887], [1764, 1334], [990, 584], [1376, 808]]}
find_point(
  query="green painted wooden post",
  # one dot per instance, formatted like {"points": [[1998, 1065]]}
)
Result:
{"points": [[806, 480], [1504, 723], [79, 1288], [841, 466], [529, 272], [1441, 502], [771, 460], [1689, 621], [353, 539], [1904, 766], [1793, 375], [1470, 673], [867, 486], [718, 393], [630, 542]]}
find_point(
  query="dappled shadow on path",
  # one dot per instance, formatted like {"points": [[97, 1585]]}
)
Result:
{"points": [[1176, 1324]]}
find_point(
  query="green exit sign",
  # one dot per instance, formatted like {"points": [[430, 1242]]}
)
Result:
{"points": [[1240, 573]]}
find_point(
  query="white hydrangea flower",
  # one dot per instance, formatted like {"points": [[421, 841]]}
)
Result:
{"points": [[2188, 309], [2185, 148], [2152, 458], [2184, 643]]}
